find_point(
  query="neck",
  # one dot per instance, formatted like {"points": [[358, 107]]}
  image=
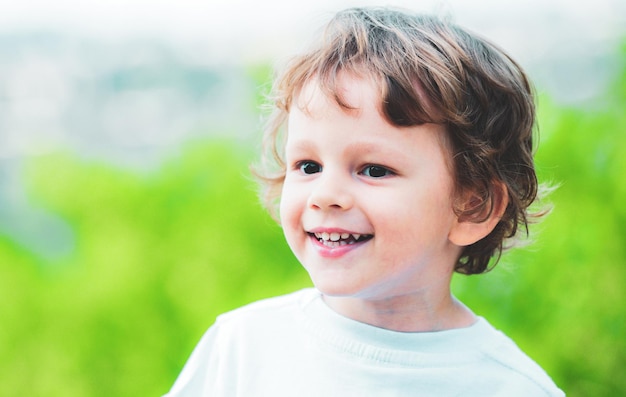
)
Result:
{"points": [[416, 312]]}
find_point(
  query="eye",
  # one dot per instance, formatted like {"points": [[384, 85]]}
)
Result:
{"points": [[309, 167], [376, 171]]}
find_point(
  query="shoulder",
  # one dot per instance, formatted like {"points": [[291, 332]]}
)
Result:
{"points": [[236, 344], [272, 305], [254, 330], [516, 369], [270, 312]]}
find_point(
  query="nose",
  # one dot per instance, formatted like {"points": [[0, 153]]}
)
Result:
{"points": [[331, 192]]}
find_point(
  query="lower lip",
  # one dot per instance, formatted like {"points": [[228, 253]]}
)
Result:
{"points": [[333, 252]]}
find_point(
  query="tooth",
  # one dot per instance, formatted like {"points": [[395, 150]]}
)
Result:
{"points": [[335, 236], [356, 236], [325, 236], [345, 236]]}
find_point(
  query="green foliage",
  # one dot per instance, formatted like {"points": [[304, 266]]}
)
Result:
{"points": [[158, 256]]}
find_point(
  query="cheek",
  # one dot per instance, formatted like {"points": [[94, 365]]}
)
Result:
{"points": [[290, 207], [291, 212], [415, 215]]}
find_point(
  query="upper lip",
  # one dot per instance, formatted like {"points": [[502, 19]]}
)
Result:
{"points": [[333, 230]]}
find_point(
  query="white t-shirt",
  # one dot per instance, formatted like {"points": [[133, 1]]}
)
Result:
{"points": [[295, 345]]}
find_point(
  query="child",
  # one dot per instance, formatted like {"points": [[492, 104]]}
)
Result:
{"points": [[406, 155]]}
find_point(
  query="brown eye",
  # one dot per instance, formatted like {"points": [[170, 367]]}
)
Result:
{"points": [[310, 167], [376, 171]]}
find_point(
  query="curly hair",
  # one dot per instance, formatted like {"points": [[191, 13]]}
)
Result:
{"points": [[429, 70]]}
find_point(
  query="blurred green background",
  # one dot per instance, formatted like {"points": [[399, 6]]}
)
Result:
{"points": [[133, 262]]}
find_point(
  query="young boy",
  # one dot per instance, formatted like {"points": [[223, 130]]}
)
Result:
{"points": [[403, 153]]}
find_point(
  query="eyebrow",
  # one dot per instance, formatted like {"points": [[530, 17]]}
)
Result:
{"points": [[303, 145], [359, 147]]}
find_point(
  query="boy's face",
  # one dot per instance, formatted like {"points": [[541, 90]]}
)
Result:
{"points": [[366, 206]]}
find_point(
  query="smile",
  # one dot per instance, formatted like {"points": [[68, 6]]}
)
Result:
{"points": [[334, 239]]}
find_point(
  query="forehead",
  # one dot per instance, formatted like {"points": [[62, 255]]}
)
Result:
{"points": [[400, 103], [348, 92], [352, 108]]}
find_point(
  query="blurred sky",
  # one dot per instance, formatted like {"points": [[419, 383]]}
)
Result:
{"points": [[563, 43], [245, 28]]}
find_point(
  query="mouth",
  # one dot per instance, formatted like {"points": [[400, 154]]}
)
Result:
{"points": [[335, 239]]}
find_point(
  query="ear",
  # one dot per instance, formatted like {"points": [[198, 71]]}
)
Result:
{"points": [[469, 230]]}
